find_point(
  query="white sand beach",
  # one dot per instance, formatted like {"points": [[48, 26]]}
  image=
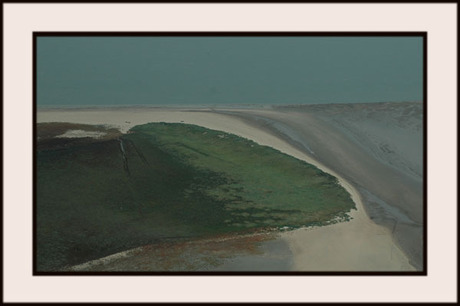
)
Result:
{"points": [[357, 245]]}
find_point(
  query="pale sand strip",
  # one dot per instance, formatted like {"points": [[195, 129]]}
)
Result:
{"points": [[104, 260], [81, 134], [358, 245]]}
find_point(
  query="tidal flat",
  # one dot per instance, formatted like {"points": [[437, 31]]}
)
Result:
{"points": [[377, 147]]}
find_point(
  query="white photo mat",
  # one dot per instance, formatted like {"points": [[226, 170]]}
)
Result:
{"points": [[439, 20]]}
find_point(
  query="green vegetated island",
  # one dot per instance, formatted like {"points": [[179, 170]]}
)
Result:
{"points": [[167, 182]]}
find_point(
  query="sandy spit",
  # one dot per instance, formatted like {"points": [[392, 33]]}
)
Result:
{"points": [[357, 245]]}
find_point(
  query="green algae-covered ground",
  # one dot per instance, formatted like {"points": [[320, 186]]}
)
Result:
{"points": [[167, 182]]}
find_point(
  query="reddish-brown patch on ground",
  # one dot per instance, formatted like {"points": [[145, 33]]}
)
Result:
{"points": [[195, 255]]}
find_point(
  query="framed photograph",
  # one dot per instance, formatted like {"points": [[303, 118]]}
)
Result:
{"points": [[204, 152], [207, 157]]}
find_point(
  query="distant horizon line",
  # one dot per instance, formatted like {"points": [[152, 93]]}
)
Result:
{"points": [[204, 105]]}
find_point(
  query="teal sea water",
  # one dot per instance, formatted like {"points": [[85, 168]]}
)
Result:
{"points": [[107, 71]]}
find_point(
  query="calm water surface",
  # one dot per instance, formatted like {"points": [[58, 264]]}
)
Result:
{"points": [[79, 71]]}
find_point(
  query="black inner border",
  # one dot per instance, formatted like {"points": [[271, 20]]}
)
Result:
{"points": [[423, 35]]}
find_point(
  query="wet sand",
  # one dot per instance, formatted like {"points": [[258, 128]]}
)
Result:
{"points": [[376, 147], [358, 245]]}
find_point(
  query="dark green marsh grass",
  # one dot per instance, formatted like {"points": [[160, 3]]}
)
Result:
{"points": [[166, 182]]}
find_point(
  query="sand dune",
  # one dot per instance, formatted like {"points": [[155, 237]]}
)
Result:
{"points": [[358, 245]]}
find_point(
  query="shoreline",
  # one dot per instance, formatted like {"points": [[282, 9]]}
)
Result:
{"points": [[368, 146], [357, 245]]}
